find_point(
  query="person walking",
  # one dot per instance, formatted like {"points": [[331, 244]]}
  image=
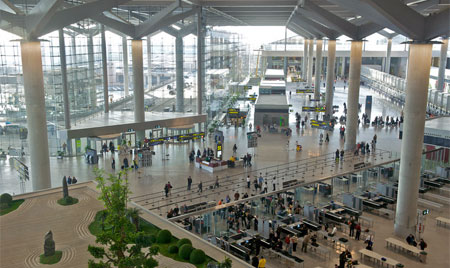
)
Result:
{"points": [[113, 164], [248, 181], [234, 149], [216, 184], [262, 262], [169, 187], [166, 190], [358, 231], [255, 261], [294, 242], [189, 181], [305, 243], [200, 187]]}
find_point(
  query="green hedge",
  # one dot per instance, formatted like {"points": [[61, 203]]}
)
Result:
{"points": [[173, 249], [197, 256], [185, 251], [164, 237], [6, 199], [183, 241]]}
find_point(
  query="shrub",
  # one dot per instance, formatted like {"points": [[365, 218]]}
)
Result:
{"points": [[6, 199], [197, 256], [183, 241], [185, 251], [173, 249], [152, 238], [144, 240], [164, 236]]}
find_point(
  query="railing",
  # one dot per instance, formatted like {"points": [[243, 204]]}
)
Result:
{"points": [[314, 165]]}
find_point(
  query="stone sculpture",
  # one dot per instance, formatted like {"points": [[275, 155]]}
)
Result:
{"points": [[49, 244]]}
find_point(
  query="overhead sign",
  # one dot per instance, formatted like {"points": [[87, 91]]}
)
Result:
{"points": [[321, 124], [313, 109], [182, 137], [307, 90], [233, 111]]}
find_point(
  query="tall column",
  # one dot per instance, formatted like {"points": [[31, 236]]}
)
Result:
{"points": [[442, 64], [138, 84], [126, 76], [318, 74], [331, 60], [149, 61], [200, 70], [387, 66], [93, 86], [179, 53], [305, 60], [285, 68], [33, 82], [105, 71], [353, 95], [65, 89], [413, 130], [343, 67], [310, 61]]}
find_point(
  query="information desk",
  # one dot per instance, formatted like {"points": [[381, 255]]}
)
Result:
{"points": [[377, 258]]}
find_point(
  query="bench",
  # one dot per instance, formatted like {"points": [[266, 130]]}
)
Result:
{"points": [[442, 221], [437, 198], [444, 191], [429, 204], [399, 245], [376, 258]]}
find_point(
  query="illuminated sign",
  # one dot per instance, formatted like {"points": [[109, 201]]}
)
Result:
{"points": [[313, 109], [233, 111], [308, 90]]}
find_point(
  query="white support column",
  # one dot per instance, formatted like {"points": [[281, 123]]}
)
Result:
{"points": [[126, 76], [149, 61], [353, 95], [310, 61], [319, 44], [65, 89], [92, 85], [412, 141], [442, 64], [105, 71], [331, 60], [138, 84], [305, 60], [343, 67], [33, 81], [179, 54], [200, 70], [387, 66]]}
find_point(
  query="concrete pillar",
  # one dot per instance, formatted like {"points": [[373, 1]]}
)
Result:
{"points": [[138, 84], [387, 65], [353, 95], [33, 82], [331, 60], [158, 79], [305, 60], [105, 71], [179, 53], [200, 55], [65, 89], [318, 74], [126, 76], [413, 131], [149, 61], [343, 67], [93, 86], [310, 61], [285, 68], [442, 64]]}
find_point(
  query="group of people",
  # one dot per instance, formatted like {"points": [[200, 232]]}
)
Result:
{"points": [[411, 240], [70, 180]]}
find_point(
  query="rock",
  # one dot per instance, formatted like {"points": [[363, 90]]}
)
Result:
{"points": [[65, 188], [49, 244]]}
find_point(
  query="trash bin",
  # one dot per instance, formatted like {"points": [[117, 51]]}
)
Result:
{"points": [[423, 256]]}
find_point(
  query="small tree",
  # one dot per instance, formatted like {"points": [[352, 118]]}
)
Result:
{"points": [[122, 244], [134, 213]]}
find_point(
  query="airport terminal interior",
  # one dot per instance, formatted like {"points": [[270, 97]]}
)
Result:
{"points": [[213, 133]]}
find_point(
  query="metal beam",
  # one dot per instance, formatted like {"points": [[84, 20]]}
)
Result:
{"points": [[40, 16], [77, 13], [141, 32], [157, 18], [394, 15], [368, 29], [437, 25], [329, 19], [225, 15], [324, 31], [126, 29], [298, 32], [10, 7], [311, 35], [308, 28]]}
